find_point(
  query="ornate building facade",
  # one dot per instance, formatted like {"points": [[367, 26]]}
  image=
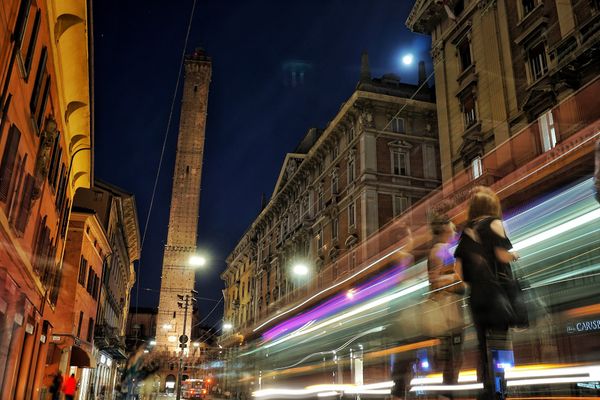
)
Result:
{"points": [[501, 65], [177, 274], [46, 152], [376, 158], [116, 212]]}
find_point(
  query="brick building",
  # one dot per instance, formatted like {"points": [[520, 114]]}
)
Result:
{"points": [[376, 158], [72, 347], [45, 156], [116, 212], [504, 66]]}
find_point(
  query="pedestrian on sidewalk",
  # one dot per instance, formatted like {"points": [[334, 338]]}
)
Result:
{"points": [[57, 381], [70, 387]]}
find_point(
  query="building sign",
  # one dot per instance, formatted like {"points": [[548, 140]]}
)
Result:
{"points": [[584, 326]]}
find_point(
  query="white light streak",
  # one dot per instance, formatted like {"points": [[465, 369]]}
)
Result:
{"points": [[328, 394], [557, 230], [446, 388]]}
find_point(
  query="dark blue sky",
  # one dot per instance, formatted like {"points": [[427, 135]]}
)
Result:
{"points": [[254, 115]]}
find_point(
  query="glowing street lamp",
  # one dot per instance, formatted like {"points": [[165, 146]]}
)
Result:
{"points": [[197, 261], [407, 59], [167, 327], [300, 270], [152, 343], [227, 326]]}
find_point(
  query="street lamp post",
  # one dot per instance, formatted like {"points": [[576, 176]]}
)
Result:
{"points": [[184, 302]]}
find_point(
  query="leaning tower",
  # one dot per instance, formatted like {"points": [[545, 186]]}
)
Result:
{"points": [[177, 277]]}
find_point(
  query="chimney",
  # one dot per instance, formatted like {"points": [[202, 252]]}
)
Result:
{"points": [[365, 71], [263, 201], [422, 74]]}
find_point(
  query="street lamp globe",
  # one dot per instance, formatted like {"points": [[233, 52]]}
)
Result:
{"points": [[300, 270], [197, 261], [227, 326]]}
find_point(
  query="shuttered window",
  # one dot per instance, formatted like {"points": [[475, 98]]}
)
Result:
{"points": [[7, 164], [39, 78], [25, 208], [13, 198], [39, 116], [54, 161], [32, 42], [82, 271], [21, 22]]}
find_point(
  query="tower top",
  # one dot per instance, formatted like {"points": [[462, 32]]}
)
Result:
{"points": [[198, 55]]}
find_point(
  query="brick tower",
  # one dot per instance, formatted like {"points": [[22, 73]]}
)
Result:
{"points": [[177, 275]]}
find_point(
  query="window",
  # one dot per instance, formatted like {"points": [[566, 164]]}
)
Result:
{"points": [[39, 80], [335, 152], [464, 53], [320, 200], [31, 45], [79, 324], [335, 224], [469, 109], [21, 22], [90, 280], [334, 184], [397, 124], [528, 6], [350, 133], [429, 162], [13, 199], [351, 215], [547, 131], [400, 162], [319, 239], [476, 167], [7, 164], [351, 170], [90, 332], [538, 64], [25, 208], [400, 205]]}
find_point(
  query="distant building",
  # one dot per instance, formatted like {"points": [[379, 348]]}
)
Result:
{"points": [[505, 66], [340, 185], [141, 327], [46, 149]]}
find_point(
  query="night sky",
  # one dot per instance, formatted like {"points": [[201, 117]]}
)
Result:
{"points": [[255, 112]]}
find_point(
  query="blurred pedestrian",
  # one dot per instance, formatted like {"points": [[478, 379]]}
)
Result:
{"points": [[484, 256], [70, 387], [447, 290], [57, 381]]}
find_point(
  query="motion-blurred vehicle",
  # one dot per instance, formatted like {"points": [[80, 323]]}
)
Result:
{"points": [[193, 389]]}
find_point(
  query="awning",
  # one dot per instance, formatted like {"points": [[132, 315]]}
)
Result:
{"points": [[81, 358]]}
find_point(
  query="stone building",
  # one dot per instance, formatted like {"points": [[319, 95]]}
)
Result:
{"points": [[340, 185], [45, 156], [177, 274], [116, 212], [502, 66]]}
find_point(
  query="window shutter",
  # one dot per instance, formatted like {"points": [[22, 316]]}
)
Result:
{"points": [[8, 161], [25, 209], [39, 76]]}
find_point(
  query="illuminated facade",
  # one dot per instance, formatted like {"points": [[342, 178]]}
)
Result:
{"points": [[502, 64], [177, 274], [116, 212], [376, 158], [46, 152]]}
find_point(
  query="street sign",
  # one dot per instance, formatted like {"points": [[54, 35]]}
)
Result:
{"points": [[183, 339]]}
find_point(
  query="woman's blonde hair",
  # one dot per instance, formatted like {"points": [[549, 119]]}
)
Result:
{"points": [[484, 202]]}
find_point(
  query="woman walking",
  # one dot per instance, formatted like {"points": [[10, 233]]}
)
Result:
{"points": [[484, 257]]}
